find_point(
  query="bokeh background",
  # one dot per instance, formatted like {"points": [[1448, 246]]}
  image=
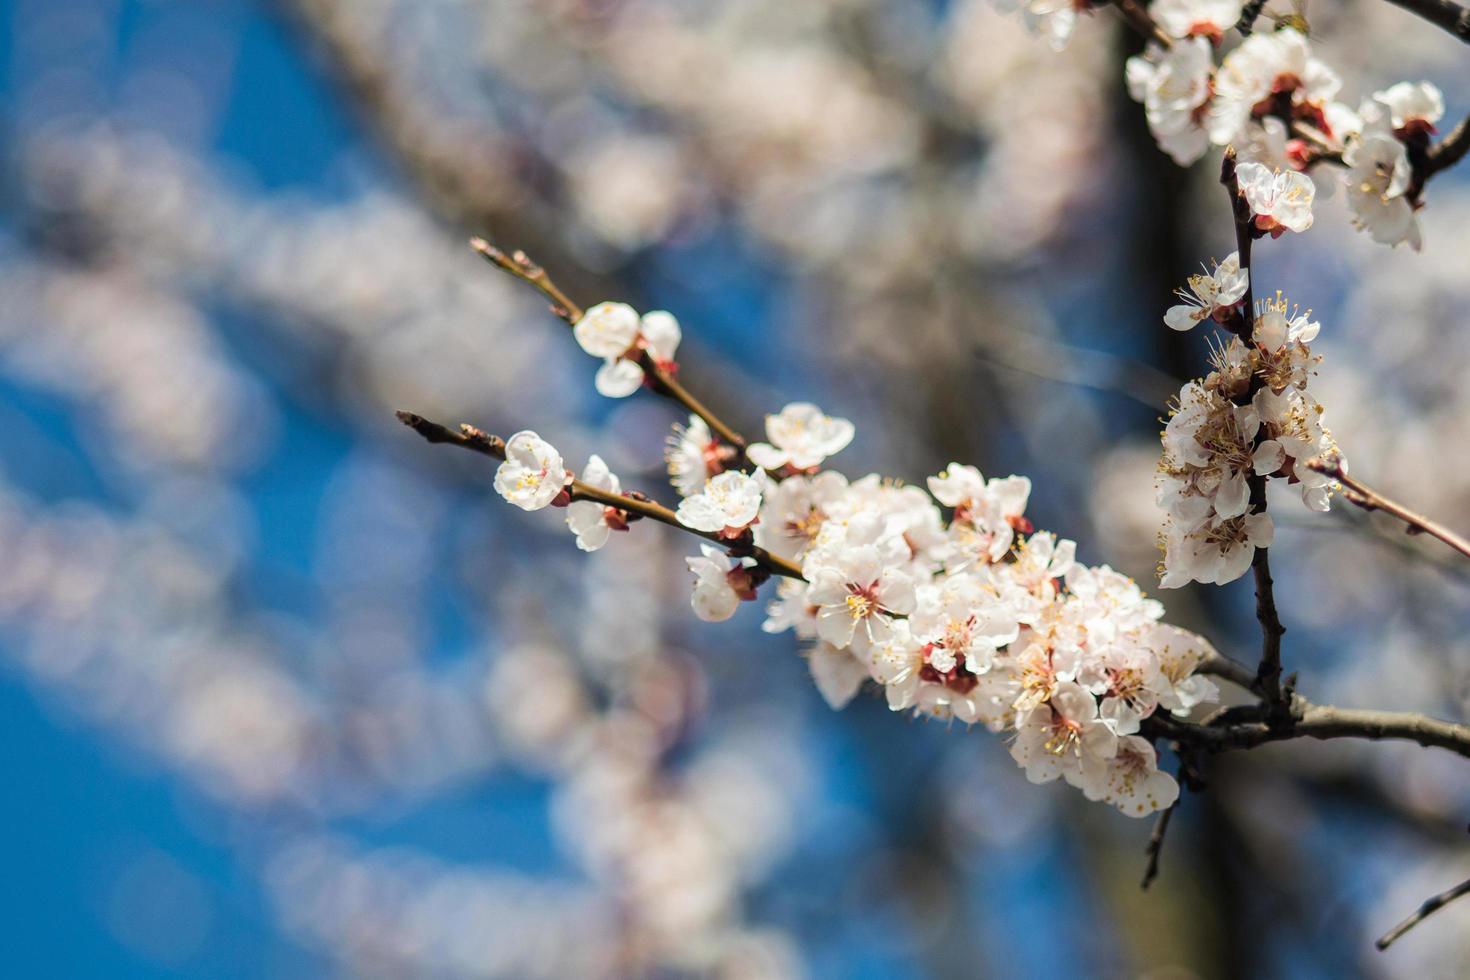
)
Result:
{"points": [[285, 692]]}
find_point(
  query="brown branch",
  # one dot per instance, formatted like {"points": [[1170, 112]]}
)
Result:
{"points": [[1156, 844], [1359, 493], [1431, 905], [1231, 670], [1138, 18], [1448, 151], [475, 440], [1445, 14], [1248, 727], [520, 265]]}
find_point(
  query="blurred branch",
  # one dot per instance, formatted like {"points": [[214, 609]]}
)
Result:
{"points": [[475, 440], [1099, 370], [1138, 18], [1156, 843], [1445, 14], [1431, 905], [1359, 493]]}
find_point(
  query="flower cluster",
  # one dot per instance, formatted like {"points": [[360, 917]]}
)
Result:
{"points": [[945, 597], [949, 600], [617, 334], [1276, 103], [982, 619], [1249, 420], [533, 477]]}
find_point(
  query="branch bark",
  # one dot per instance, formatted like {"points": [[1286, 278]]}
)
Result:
{"points": [[520, 265], [1359, 493], [1431, 905], [475, 440]]}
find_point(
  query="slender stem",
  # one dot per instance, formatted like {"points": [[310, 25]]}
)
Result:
{"points": [[1448, 151], [1431, 905], [1358, 492], [1323, 722], [520, 265], [475, 440], [1227, 669], [1441, 13], [1138, 18], [1156, 844]]}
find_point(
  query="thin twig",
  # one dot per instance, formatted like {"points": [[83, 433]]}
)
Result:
{"points": [[1322, 722], [1231, 670], [1359, 493], [1441, 13], [475, 440], [1138, 18], [1448, 151], [1431, 905], [1156, 843], [521, 266]]}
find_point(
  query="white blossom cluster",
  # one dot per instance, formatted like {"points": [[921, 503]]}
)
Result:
{"points": [[980, 618], [1250, 417], [1277, 104], [975, 616]]}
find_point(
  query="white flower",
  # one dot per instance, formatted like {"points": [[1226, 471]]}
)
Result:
{"points": [[962, 624], [986, 514], [801, 437], [1174, 87], [727, 505], [1065, 738], [1220, 551], [1196, 18], [720, 583], [692, 455], [1133, 782], [589, 520], [1127, 680], [1179, 653], [607, 330], [533, 473], [1280, 201], [1272, 72], [838, 674], [1212, 294], [621, 375], [795, 511], [1378, 176], [1412, 106], [858, 590], [791, 610]]}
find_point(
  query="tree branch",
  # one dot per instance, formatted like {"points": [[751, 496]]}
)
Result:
{"points": [[1138, 18], [1445, 14], [1156, 843], [1431, 905], [1448, 151], [1238, 730], [1359, 493], [520, 265], [475, 440]]}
